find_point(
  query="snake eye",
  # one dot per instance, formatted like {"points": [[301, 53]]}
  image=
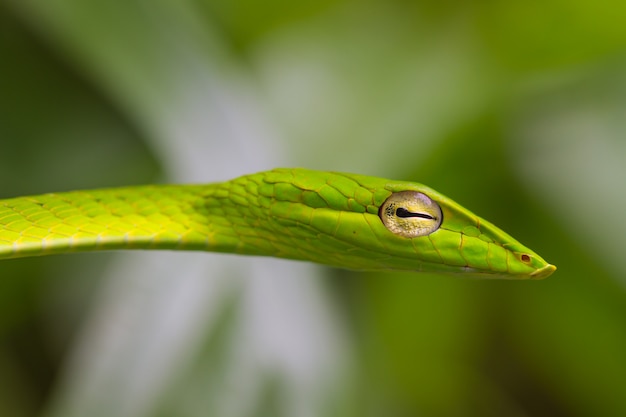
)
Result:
{"points": [[410, 214]]}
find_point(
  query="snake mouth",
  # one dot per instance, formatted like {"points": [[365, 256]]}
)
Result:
{"points": [[543, 272]]}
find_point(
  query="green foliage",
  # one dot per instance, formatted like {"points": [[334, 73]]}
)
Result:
{"points": [[513, 109]]}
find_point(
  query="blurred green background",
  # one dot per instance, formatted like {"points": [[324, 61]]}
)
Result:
{"points": [[517, 110]]}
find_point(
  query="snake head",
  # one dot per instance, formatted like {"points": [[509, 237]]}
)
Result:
{"points": [[448, 237]]}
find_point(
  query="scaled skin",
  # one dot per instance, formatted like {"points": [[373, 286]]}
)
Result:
{"points": [[323, 217]]}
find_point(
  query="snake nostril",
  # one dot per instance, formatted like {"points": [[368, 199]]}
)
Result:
{"points": [[525, 258]]}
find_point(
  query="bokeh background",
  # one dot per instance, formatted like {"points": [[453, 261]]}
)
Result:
{"points": [[517, 110]]}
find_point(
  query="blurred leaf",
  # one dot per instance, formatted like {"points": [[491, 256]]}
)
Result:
{"points": [[572, 153], [537, 35], [53, 121], [246, 22]]}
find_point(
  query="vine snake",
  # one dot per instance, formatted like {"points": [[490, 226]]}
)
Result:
{"points": [[344, 220]]}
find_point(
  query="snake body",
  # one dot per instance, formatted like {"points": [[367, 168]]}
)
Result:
{"points": [[324, 217]]}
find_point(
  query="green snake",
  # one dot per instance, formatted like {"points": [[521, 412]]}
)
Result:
{"points": [[344, 220]]}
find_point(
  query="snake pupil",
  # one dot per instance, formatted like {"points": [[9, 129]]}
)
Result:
{"points": [[404, 213]]}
